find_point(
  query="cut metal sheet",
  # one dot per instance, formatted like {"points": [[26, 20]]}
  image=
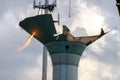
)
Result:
{"points": [[42, 25]]}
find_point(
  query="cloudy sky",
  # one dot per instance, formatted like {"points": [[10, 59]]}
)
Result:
{"points": [[100, 61]]}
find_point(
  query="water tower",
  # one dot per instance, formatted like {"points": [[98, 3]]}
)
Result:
{"points": [[65, 49]]}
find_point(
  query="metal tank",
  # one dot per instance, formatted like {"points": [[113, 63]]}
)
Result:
{"points": [[65, 59]]}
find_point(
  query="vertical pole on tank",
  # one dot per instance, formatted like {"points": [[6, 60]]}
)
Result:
{"points": [[44, 64]]}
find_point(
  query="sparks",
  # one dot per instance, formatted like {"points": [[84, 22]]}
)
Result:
{"points": [[27, 43]]}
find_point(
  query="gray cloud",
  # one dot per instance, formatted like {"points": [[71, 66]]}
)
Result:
{"points": [[13, 4], [110, 50]]}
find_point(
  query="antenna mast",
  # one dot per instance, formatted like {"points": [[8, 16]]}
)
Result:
{"points": [[44, 64], [69, 8], [44, 67], [46, 4], [47, 7]]}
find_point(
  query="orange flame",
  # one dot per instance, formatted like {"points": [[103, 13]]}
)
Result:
{"points": [[27, 43]]}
